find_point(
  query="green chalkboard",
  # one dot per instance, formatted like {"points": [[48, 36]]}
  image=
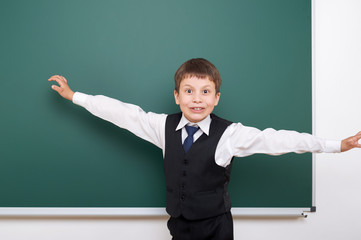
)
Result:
{"points": [[55, 154]]}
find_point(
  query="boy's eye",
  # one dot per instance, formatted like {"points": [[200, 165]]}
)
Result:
{"points": [[188, 91], [205, 91]]}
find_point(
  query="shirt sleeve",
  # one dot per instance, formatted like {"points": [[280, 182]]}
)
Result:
{"points": [[241, 141], [148, 126]]}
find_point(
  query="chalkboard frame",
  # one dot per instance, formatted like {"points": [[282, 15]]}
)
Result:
{"points": [[313, 203]]}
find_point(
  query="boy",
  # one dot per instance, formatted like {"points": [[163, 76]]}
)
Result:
{"points": [[198, 147]]}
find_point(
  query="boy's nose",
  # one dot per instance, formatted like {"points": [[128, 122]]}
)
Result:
{"points": [[197, 99]]}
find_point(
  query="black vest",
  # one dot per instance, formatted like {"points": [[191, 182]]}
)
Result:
{"points": [[196, 185]]}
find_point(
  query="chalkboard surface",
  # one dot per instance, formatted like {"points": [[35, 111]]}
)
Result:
{"points": [[55, 154]]}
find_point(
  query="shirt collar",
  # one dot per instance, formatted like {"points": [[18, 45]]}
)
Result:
{"points": [[204, 125]]}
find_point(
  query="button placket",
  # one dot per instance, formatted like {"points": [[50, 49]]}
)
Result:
{"points": [[183, 182]]}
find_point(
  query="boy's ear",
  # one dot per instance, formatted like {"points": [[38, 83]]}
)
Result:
{"points": [[218, 95], [176, 97]]}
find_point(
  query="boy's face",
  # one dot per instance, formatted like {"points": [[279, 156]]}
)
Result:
{"points": [[197, 98]]}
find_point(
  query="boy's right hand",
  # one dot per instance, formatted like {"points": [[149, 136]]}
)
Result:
{"points": [[63, 89]]}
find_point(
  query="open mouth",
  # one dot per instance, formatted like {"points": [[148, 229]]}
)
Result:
{"points": [[197, 109]]}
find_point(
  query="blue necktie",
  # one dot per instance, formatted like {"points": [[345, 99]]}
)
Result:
{"points": [[189, 140]]}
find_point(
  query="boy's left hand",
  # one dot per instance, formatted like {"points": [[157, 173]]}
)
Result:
{"points": [[351, 142]]}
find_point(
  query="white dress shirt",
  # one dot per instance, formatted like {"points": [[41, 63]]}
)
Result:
{"points": [[237, 140]]}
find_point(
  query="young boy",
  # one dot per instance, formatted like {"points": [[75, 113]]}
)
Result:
{"points": [[198, 147]]}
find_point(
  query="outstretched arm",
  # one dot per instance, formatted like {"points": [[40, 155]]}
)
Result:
{"points": [[63, 89], [351, 142], [245, 141], [148, 126]]}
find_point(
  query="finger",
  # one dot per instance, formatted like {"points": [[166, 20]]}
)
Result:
{"points": [[59, 80], [64, 79], [358, 142], [56, 88], [57, 77], [356, 145], [357, 136], [54, 76], [355, 141]]}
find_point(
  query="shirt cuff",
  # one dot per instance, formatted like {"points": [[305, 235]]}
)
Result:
{"points": [[332, 146], [79, 98]]}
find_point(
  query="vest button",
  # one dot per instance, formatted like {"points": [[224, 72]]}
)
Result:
{"points": [[184, 173], [183, 186], [183, 197], [185, 162]]}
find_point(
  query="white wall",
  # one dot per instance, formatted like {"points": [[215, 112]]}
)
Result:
{"points": [[338, 178]]}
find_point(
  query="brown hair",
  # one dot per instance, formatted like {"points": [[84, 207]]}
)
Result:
{"points": [[200, 68]]}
